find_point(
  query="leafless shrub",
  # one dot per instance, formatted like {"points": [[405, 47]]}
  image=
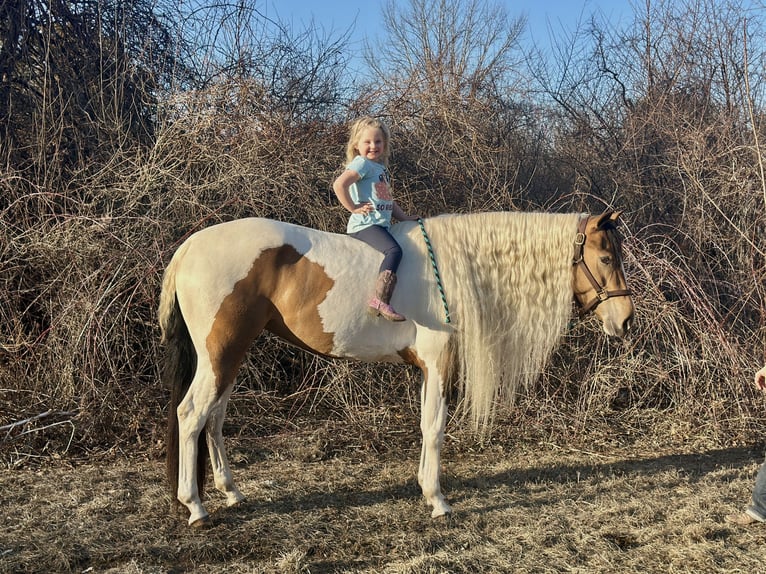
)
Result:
{"points": [[665, 134], [654, 119]]}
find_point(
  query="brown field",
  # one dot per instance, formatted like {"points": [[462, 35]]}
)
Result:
{"points": [[517, 508]]}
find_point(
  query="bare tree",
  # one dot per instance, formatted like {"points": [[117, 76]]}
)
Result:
{"points": [[445, 75], [77, 81], [297, 72]]}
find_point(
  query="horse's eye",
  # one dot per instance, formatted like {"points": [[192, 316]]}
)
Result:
{"points": [[606, 260]]}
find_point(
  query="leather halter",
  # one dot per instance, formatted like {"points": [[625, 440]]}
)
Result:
{"points": [[602, 294]]}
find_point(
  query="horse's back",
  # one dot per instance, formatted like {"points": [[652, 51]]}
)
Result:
{"points": [[307, 286]]}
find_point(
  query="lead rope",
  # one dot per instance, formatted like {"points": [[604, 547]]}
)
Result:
{"points": [[436, 270]]}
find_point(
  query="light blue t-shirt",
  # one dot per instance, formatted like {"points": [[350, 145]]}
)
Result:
{"points": [[373, 187]]}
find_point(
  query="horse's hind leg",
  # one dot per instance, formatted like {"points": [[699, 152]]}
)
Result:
{"points": [[204, 406], [193, 412], [221, 471]]}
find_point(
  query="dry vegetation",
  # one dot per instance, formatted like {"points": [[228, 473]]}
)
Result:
{"points": [[531, 509], [122, 133]]}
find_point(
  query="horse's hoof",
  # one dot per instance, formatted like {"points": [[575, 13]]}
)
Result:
{"points": [[235, 502], [440, 511], [234, 498], [203, 522]]}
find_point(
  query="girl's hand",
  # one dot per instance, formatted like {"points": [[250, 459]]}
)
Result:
{"points": [[363, 209], [760, 379]]}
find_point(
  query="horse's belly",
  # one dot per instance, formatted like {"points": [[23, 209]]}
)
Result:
{"points": [[376, 340]]}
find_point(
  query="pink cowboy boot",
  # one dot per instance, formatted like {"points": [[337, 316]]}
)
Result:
{"points": [[379, 305]]}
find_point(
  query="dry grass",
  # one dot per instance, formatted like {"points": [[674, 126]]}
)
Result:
{"points": [[518, 507]]}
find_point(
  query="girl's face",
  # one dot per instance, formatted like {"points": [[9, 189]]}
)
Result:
{"points": [[371, 144]]}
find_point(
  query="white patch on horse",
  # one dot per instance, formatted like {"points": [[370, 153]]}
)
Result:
{"points": [[353, 267]]}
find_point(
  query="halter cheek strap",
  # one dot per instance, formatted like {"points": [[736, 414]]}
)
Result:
{"points": [[602, 294]]}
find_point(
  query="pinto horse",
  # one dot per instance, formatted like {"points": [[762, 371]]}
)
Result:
{"points": [[508, 279]]}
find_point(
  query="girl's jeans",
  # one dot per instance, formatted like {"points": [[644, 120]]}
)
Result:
{"points": [[758, 506], [380, 239]]}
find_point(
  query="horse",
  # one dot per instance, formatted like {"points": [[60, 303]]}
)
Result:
{"points": [[505, 280]]}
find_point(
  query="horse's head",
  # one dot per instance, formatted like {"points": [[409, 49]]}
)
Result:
{"points": [[598, 276]]}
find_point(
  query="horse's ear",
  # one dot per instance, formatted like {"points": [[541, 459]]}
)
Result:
{"points": [[608, 220]]}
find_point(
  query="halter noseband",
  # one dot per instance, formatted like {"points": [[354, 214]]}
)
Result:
{"points": [[579, 260]]}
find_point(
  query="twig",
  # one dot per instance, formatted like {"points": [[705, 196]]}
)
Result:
{"points": [[752, 115], [46, 414]]}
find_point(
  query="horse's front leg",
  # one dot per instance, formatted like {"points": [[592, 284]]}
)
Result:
{"points": [[221, 471], [433, 418]]}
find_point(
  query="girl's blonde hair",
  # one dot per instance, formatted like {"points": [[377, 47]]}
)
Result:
{"points": [[364, 123]]}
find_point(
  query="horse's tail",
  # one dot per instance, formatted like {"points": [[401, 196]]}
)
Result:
{"points": [[180, 364]]}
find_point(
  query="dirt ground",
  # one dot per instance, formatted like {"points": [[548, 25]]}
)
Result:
{"points": [[534, 508]]}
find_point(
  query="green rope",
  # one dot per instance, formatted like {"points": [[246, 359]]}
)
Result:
{"points": [[436, 270]]}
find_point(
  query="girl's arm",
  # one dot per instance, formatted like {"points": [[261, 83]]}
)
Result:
{"points": [[340, 187]]}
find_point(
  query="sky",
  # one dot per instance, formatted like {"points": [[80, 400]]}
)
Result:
{"points": [[543, 16]]}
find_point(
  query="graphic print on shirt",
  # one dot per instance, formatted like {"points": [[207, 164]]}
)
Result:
{"points": [[382, 190]]}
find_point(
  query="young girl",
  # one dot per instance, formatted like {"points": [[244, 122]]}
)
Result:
{"points": [[364, 189]]}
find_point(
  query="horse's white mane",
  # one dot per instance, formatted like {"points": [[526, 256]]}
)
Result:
{"points": [[508, 282]]}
